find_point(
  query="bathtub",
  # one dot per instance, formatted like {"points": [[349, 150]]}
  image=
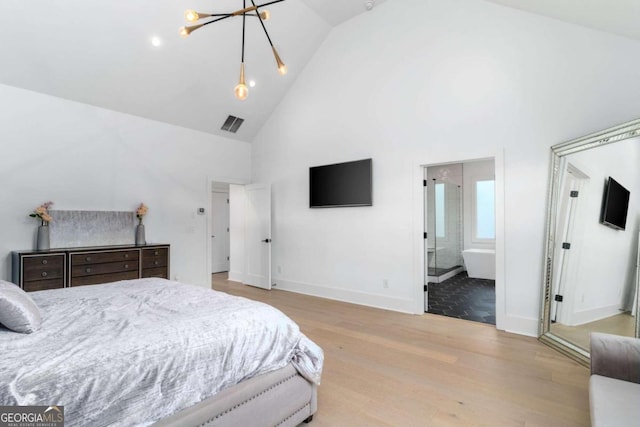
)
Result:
{"points": [[480, 263]]}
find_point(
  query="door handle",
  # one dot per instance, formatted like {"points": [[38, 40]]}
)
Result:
{"points": [[213, 236], [267, 241]]}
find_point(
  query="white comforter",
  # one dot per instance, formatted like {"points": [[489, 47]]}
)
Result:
{"points": [[132, 352]]}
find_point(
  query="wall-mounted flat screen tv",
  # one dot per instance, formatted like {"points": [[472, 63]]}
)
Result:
{"points": [[615, 205], [341, 185]]}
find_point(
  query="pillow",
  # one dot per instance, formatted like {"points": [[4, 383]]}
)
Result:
{"points": [[18, 312]]}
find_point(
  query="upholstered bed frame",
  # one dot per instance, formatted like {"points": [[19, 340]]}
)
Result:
{"points": [[281, 398]]}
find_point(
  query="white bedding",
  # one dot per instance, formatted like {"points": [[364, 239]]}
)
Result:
{"points": [[133, 352]]}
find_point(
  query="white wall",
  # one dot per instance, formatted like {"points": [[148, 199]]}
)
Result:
{"points": [[417, 82], [605, 259], [87, 158], [447, 173]]}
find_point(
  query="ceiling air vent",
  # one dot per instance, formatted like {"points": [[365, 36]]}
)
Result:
{"points": [[232, 124]]}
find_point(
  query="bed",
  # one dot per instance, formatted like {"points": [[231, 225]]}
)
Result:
{"points": [[153, 351]]}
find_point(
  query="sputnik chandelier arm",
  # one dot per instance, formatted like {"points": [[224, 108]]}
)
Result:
{"points": [[241, 90], [282, 69]]}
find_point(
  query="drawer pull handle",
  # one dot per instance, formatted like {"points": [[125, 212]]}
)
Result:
{"points": [[156, 253], [156, 262], [44, 261], [44, 274], [126, 255], [88, 259], [88, 270], [126, 266]]}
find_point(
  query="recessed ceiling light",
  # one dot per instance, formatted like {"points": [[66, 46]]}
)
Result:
{"points": [[156, 41], [252, 83]]}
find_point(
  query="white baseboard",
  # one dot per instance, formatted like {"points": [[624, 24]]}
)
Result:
{"points": [[520, 325], [513, 324], [404, 305], [234, 276], [449, 275], [591, 315]]}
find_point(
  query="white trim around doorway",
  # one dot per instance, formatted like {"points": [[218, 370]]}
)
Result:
{"points": [[418, 227]]}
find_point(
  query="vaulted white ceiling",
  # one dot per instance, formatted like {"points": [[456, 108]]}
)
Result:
{"points": [[620, 17], [99, 52]]}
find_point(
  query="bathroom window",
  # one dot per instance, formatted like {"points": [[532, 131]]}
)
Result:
{"points": [[440, 211], [485, 211]]}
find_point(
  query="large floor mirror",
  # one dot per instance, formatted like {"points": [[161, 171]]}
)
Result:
{"points": [[593, 236]]}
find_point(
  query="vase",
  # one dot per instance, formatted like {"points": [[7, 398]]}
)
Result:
{"points": [[42, 242], [140, 240]]}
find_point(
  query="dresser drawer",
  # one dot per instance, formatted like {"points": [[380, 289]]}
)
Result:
{"points": [[105, 268], [103, 278], [162, 272], [43, 267], [103, 257], [152, 258], [41, 285]]}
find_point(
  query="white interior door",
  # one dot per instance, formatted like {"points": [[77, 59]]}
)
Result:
{"points": [[219, 232], [258, 235], [568, 218]]}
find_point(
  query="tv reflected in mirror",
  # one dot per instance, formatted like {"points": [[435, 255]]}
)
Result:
{"points": [[341, 185], [615, 205]]}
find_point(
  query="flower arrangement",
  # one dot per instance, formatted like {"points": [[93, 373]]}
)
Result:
{"points": [[141, 211], [42, 212]]}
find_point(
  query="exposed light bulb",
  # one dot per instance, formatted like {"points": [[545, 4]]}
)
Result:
{"points": [[265, 15], [156, 41], [282, 69], [185, 31], [252, 83], [191, 15], [241, 90]]}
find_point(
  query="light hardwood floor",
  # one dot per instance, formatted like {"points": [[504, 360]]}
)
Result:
{"points": [[621, 324], [384, 368]]}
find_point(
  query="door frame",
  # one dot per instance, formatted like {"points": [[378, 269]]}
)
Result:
{"points": [[212, 219], [418, 227], [211, 179]]}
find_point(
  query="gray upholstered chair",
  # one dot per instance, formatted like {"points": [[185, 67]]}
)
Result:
{"points": [[614, 386]]}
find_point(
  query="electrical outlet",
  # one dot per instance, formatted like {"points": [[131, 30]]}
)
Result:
{"points": [[279, 269], [385, 283]]}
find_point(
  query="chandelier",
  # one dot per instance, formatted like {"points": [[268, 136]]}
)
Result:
{"points": [[241, 90]]}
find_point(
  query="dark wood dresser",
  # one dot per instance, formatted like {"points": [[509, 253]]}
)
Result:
{"points": [[59, 268]]}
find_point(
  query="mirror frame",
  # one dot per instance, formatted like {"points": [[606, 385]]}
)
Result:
{"points": [[608, 136]]}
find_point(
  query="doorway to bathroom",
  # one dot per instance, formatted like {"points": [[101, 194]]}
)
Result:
{"points": [[459, 240]]}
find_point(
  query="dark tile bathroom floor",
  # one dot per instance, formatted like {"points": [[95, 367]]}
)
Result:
{"points": [[464, 298]]}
